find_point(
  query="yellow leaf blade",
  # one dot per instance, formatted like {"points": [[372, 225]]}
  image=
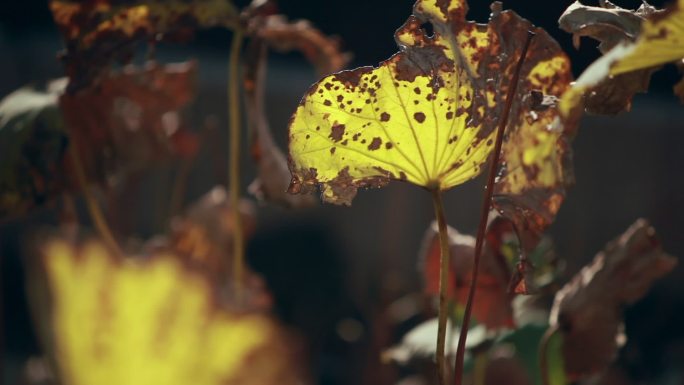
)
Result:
{"points": [[119, 322], [427, 115]]}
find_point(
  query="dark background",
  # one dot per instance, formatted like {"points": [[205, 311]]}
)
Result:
{"points": [[331, 263]]}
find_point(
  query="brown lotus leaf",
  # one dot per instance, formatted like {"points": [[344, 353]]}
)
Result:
{"points": [[131, 118], [588, 310], [98, 33], [535, 166], [204, 233]]}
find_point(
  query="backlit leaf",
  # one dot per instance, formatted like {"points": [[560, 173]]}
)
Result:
{"points": [[588, 310], [428, 114], [535, 166], [116, 321], [659, 42], [610, 25]]}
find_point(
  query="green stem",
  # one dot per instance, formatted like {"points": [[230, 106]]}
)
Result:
{"points": [[484, 213], [544, 353], [234, 163], [443, 284]]}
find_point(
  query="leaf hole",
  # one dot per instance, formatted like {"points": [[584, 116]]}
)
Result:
{"points": [[428, 29]]}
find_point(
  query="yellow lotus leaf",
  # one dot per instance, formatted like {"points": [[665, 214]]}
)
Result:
{"points": [[661, 41], [120, 322], [427, 115]]}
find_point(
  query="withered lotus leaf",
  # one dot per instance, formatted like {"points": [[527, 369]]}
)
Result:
{"points": [[428, 114], [154, 321], [101, 32], [588, 310], [130, 118]]}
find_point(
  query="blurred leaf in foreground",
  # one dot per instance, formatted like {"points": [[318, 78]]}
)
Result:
{"points": [[588, 310], [129, 119], [659, 42], [32, 147], [428, 114], [155, 321]]}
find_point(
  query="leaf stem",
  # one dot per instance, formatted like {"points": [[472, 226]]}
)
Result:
{"points": [[444, 260], [544, 353], [486, 204], [93, 207], [234, 162]]}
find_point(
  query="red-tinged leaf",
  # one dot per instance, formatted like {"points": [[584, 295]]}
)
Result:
{"points": [[131, 119], [588, 310], [98, 33], [493, 306]]}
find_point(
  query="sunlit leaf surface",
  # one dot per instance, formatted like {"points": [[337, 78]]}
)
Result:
{"points": [[660, 41], [428, 114], [117, 322]]}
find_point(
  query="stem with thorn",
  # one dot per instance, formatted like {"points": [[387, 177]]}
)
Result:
{"points": [[444, 260], [486, 204], [234, 164]]}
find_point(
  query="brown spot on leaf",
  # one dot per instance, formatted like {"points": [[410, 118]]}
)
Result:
{"points": [[419, 117], [336, 132], [353, 77], [384, 117], [375, 144]]}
